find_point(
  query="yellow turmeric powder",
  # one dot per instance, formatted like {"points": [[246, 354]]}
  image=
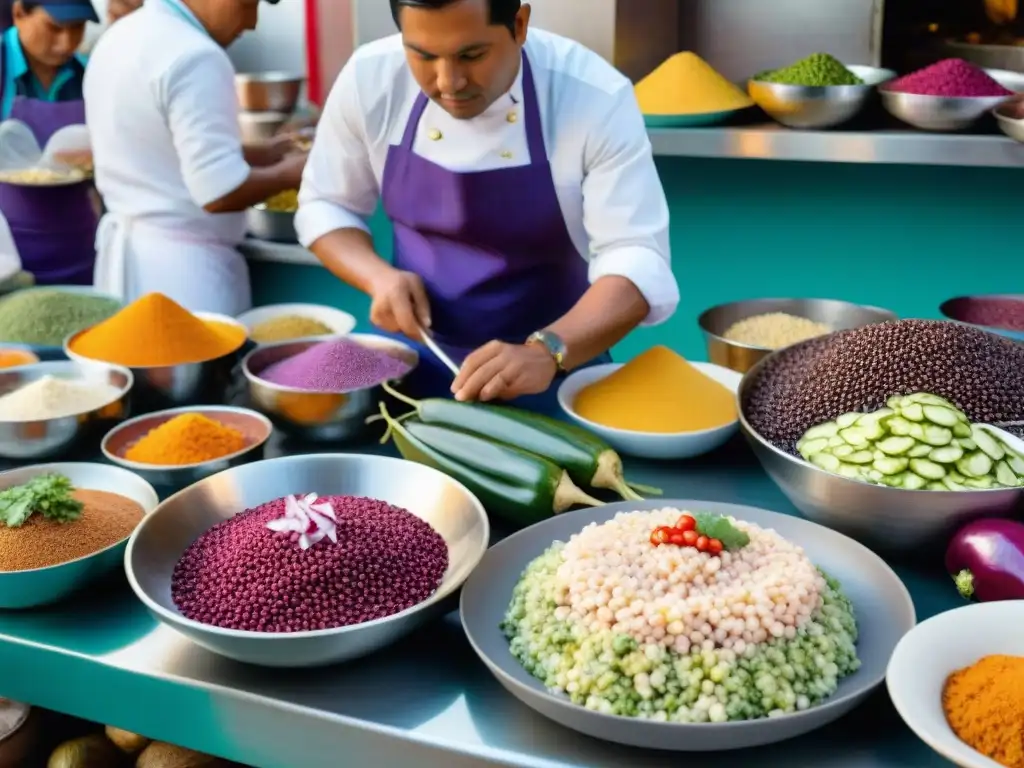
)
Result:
{"points": [[984, 705], [657, 392], [190, 438], [685, 84]]}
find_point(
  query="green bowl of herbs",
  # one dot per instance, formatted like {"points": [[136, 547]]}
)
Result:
{"points": [[39, 319], [63, 526]]}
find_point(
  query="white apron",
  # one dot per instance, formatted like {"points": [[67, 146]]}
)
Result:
{"points": [[134, 258]]}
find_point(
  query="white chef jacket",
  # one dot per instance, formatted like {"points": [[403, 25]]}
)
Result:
{"points": [[603, 168], [163, 120]]}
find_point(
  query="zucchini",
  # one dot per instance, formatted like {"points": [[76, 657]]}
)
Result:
{"points": [[588, 459], [516, 485]]}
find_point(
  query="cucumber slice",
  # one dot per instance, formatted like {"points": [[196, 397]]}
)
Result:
{"points": [[925, 398], [859, 457], [892, 481], [848, 420], [947, 454], [936, 486], [849, 471], [987, 443], [944, 417], [967, 444], [895, 446], [873, 476], [929, 470], [952, 484], [917, 431], [913, 412], [879, 415], [825, 461], [975, 464], [894, 402], [979, 483], [962, 429], [1016, 463], [854, 436], [913, 481], [899, 426], [1005, 475], [890, 465], [835, 442], [919, 451], [954, 475], [936, 435], [871, 430], [812, 447], [842, 451], [828, 429]]}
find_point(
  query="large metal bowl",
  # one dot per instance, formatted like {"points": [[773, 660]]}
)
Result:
{"points": [[837, 315], [1010, 117], [268, 91], [54, 438], [258, 127], [272, 226], [809, 107], [171, 386], [316, 416], [939, 113], [954, 309], [169, 478], [886, 518], [158, 543], [41, 586]]}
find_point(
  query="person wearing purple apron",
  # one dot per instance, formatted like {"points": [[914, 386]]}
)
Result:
{"points": [[54, 227], [530, 227]]}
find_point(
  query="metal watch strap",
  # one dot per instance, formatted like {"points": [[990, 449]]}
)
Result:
{"points": [[553, 343]]}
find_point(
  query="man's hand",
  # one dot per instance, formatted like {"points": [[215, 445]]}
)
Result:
{"points": [[500, 371], [118, 8], [399, 303]]}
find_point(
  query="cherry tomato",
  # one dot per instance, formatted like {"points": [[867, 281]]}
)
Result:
{"points": [[686, 523], [676, 537], [690, 538], [702, 543], [660, 535], [715, 547]]}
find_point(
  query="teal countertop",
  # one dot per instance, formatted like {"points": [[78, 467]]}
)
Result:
{"points": [[426, 702]]}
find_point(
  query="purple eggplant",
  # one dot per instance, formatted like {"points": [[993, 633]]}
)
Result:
{"points": [[986, 560]]}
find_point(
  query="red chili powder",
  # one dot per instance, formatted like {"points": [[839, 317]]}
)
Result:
{"points": [[951, 78]]}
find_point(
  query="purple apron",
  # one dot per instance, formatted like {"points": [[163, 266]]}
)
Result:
{"points": [[491, 247], [54, 228]]}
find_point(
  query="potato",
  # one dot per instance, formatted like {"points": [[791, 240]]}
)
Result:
{"points": [[162, 755], [93, 751], [128, 742]]}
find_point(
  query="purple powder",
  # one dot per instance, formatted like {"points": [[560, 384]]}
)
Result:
{"points": [[241, 575], [949, 77], [340, 365]]}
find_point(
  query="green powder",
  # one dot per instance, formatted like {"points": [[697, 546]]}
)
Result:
{"points": [[816, 69], [47, 317]]}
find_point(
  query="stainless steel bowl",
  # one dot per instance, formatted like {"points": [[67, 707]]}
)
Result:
{"points": [[255, 426], [158, 543], [268, 91], [885, 518], [938, 113], [955, 309], [272, 226], [170, 386], [52, 438], [316, 416], [257, 127], [1010, 117], [837, 315], [802, 106]]}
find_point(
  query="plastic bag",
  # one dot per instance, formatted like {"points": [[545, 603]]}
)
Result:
{"points": [[10, 262], [69, 147], [19, 149]]}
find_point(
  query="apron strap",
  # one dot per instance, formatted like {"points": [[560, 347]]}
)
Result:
{"points": [[534, 128], [418, 106]]}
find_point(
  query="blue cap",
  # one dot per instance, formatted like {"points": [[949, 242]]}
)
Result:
{"points": [[70, 11]]}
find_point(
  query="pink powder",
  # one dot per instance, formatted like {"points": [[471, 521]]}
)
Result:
{"points": [[951, 78], [1007, 314], [339, 365]]}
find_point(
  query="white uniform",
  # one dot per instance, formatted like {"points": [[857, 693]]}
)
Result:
{"points": [[608, 188], [163, 120]]}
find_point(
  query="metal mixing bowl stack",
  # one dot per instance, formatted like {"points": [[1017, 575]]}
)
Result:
{"points": [[158, 543], [837, 315], [810, 107], [268, 91]]}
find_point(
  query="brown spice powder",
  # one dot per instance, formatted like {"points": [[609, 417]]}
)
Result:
{"points": [[106, 519], [984, 705]]}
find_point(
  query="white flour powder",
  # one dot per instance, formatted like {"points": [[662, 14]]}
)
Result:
{"points": [[51, 398]]}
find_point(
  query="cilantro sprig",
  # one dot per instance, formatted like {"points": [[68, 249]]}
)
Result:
{"points": [[47, 495], [718, 527]]}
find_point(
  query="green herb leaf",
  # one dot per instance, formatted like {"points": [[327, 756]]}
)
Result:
{"points": [[721, 528], [49, 495]]}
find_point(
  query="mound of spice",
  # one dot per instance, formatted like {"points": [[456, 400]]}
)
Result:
{"points": [[984, 705], [355, 560], [774, 330], [47, 317], [189, 438], [9, 358], [818, 69], [157, 331], [951, 78], [858, 370], [52, 398], [47, 522], [339, 365], [685, 84], [1007, 314], [657, 391], [288, 327]]}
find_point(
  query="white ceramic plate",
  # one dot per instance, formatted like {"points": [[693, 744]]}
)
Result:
{"points": [[934, 649], [651, 445], [340, 322]]}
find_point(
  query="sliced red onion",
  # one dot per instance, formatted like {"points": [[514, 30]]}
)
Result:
{"points": [[311, 520]]}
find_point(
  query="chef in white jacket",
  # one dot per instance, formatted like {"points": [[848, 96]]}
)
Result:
{"points": [[168, 154]]}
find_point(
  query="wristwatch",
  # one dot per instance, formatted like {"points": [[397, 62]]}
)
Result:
{"points": [[553, 343]]}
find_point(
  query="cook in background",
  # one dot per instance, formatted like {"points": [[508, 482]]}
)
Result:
{"points": [[531, 229], [41, 76], [168, 155]]}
